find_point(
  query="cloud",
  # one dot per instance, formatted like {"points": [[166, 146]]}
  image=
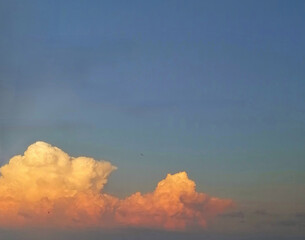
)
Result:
{"points": [[238, 214], [300, 216], [173, 204], [288, 223], [261, 212], [46, 187]]}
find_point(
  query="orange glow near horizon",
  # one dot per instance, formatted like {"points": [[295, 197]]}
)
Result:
{"points": [[48, 188]]}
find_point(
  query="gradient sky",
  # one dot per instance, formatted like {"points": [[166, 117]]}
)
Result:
{"points": [[215, 88]]}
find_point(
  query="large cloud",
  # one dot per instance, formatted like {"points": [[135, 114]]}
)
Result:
{"points": [[46, 187]]}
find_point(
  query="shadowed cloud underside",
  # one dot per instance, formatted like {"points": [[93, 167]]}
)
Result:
{"points": [[46, 187]]}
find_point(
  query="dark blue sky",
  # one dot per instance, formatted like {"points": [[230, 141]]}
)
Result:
{"points": [[215, 88]]}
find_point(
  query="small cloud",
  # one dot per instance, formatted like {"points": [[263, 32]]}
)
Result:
{"points": [[238, 214], [300, 216], [288, 223], [264, 213], [261, 212]]}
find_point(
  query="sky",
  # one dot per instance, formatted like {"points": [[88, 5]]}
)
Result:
{"points": [[212, 88]]}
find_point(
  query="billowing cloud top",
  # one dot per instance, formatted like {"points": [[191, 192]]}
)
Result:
{"points": [[46, 187]]}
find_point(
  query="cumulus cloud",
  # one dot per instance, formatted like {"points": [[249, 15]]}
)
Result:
{"points": [[174, 204], [46, 187]]}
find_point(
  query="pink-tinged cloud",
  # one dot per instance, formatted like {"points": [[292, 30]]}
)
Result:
{"points": [[48, 188]]}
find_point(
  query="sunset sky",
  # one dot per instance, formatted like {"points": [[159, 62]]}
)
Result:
{"points": [[210, 92]]}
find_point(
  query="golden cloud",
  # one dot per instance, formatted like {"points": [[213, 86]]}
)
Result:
{"points": [[48, 188]]}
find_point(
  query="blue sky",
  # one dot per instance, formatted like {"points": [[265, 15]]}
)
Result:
{"points": [[215, 88]]}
